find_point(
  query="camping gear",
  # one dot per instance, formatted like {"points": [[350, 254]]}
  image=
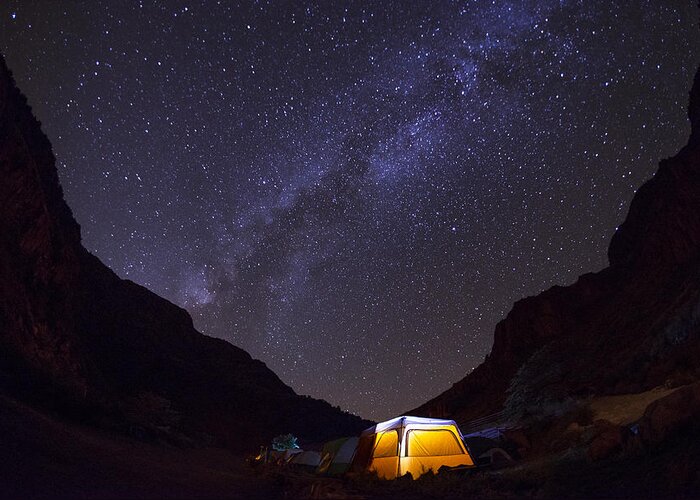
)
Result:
{"points": [[412, 445], [488, 452], [337, 455], [307, 460], [281, 457]]}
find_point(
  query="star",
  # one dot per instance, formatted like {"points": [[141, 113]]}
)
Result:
{"points": [[355, 194]]}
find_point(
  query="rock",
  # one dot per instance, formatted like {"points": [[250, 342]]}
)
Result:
{"points": [[628, 328], [80, 340], [694, 114], [670, 414], [574, 427], [608, 439], [518, 438]]}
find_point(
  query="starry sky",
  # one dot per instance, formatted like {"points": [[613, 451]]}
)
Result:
{"points": [[354, 192]]}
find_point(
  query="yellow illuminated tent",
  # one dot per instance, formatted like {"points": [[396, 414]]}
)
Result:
{"points": [[410, 444]]}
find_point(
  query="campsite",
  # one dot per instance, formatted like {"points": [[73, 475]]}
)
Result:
{"points": [[576, 450], [402, 446]]}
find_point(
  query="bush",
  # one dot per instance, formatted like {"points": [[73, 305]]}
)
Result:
{"points": [[284, 442]]}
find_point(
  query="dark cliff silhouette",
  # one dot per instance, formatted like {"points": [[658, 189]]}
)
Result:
{"points": [[633, 326], [77, 340]]}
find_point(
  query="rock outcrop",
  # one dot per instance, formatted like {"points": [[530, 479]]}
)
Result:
{"points": [[671, 414], [78, 340], [630, 327]]}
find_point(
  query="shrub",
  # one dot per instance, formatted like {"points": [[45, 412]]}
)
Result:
{"points": [[284, 442]]}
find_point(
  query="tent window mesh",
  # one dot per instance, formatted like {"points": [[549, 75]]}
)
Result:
{"points": [[387, 445], [431, 443]]}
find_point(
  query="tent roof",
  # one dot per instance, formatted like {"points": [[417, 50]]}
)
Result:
{"points": [[306, 458], [398, 422], [346, 450], [334, 446]]}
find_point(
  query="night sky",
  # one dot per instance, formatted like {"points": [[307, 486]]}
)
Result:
{"points": [[355, 193]]}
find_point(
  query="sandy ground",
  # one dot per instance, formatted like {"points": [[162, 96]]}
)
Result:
{"points": [[626, 408]]}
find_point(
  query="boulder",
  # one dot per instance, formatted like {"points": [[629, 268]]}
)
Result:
{"points": [[608, 439], [669, 414]]}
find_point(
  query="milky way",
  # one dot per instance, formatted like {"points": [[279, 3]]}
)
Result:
{"points": [[354, 193]]}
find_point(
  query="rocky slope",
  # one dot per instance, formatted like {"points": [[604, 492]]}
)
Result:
{"points": [[78, 340], [630, 327]]}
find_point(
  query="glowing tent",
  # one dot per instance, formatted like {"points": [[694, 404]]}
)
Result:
{"points": [[337, 455], [413, 445]]}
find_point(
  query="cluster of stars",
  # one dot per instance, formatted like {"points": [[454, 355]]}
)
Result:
{"points": [[354, 193]]}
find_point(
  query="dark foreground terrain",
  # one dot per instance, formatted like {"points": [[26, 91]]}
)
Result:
{"points": [[43, 457]]}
